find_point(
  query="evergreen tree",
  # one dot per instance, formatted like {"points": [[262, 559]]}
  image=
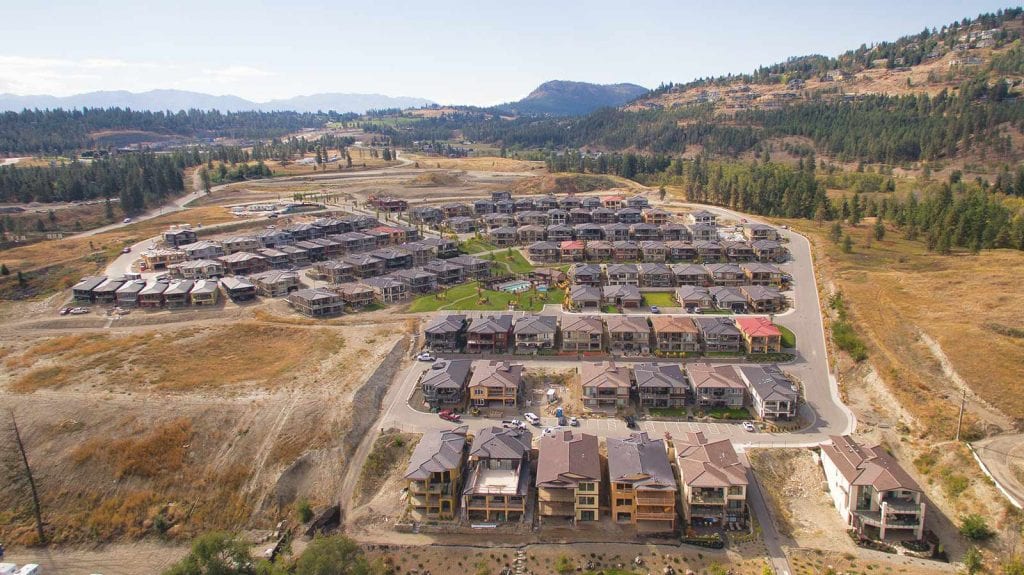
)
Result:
{"points": [[879, 229], [847, 244], [836, 233]]}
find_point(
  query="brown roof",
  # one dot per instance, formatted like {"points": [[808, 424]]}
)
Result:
{"points": [[566, 458], [604, 374], [584, 323], [496, 374], [709, 375], [867, 465], [709, 464], [437, 451], [673, 324], [627, 324], [640, 460]]}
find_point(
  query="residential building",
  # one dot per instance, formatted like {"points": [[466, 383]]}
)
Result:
{"points": [[490, 334], [622, 296], [495, 383], [660, 384], [177, 293], [625, 251], [272, 238], [276, 259], [503, 236], [572, 250], [447, 273], [719, 334], [643, 486], [364, 265], [703, 232], [646, 233], [205, 292], [106, 291], [177, 237], [690, 275], [768, 251], [726, 274], [871, 491], [762, 274], [569, 477], [558, 233], [82, 292], [681, 250], [387, 290], [729, 299], [583, 298], [598, 251], [622, 274], [755, 232], [128, 294], [275, 283], [473, 267], [445, 333], [355, 295], [629, 334], [462, 224], [237, 289], [693, 298], [394, 258], [417, 281], [152, 296], [715, 385], [316, 302], [239, 244], [675, 334], [703, 217], [434, 473], [656, 216], [332, 271], [160, 258], [675, 232], [772, 396], [548, 252], [197, 269], [445, 386], [713, 481], [535, 332], [582, 333], [760, 335], [653, 251], [655, 275], [586, 275], [605, 385], [764, 299]]}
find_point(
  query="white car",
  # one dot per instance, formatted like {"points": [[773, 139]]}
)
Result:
{"points": [[532, 418], [574, 421], [426, 356], [749, 426], [127, 220]]}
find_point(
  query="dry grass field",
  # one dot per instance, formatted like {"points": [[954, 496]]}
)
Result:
{"points": [[484, 164]]}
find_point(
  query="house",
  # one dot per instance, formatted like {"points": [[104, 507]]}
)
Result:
{"points": [[314, 251], [445, 333], [581, 216], [532, 218], [275, 283], [272, 238], [82, 291], [570, 203], [501, 196], [660, 384], [177, 237], [713, 480], [582, 333], [205, 292], [719, 334], [755, 232], [547, 276], [128, 294], [462, 224], [729, 299], [715, 385], [421, 253], [387, 289], [613, 201], [569, 477], [434, 473], [737, 251], [240, 244], [703, 232], [243, 263], [571, 251], [353, 242], [455, 209], [625, 251], [582, 298], [237, 289], [177, 293], [690, 275], [152, 296], [586, 275], [428, 215], [197, 269], [616, 232], [726, 274], [106, 292], [548, 202], [628, 334], [160, 258], [445, 386], [675, 334], [535, 332], [298, 256], [703, 217], [675, 232], [503, 236], [654, 275], [202, 250], [598, 251], [498, 476], [762, 299], [396, 235], [693, 298], [622, 274], [638, 202], [622, 296], [590, 202], [772, 396], [644, 232], [559, 233], [629, 216], [531, 233], [447, 273], [523, 204], [643, 486], [762, 274], [768, 251], [472, 266], [588, 232], [871, 491], [653, 251], [417, 281], [558, 217], [499, 220], [304, 232], [760, 335], [364, 265], [394, 258], [355, 295], [605, 385], [481, 207], [443, 247], [316, 302], [495, 383], [332, 271], [490, 334], [545, 252], [680, 251], [276, 259], [602, 215], [656, 216]]}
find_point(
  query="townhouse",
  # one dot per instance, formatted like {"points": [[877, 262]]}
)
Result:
{"points": [[629, 334], [719, 334], [445, 333], [434, 474], [238, 289], [177, 293], [569, 477], [586, 275], [204, 292], [715, 385], [489, 334], [655, 275], [643, 486], [152, 296]]}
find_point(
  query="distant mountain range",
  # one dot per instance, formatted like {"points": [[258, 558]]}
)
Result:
{"points": [[183, 100], [562, 98]]}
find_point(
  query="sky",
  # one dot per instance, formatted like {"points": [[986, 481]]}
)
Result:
{"points": [[472, 52]]}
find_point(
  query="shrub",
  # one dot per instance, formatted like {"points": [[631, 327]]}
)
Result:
{"points": [[975, 528], [305, 511]]}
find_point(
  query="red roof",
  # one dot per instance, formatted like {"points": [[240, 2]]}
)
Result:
{"points": [[613, 198], [572, 245], [387, 229], [757, 327]]}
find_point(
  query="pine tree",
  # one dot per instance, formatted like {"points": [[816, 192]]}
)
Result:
{"points": [[847, 244], [836, 233], [879, 229]]}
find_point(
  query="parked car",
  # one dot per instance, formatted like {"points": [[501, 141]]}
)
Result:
{"points": [[449, 415], [65, 310], [79, 310], [439, 364], [513, 424], [749, 426], [574, 421], [562, 421], [552, 430], [426, 356], [655, 309], [630, 422], [532, 418]]}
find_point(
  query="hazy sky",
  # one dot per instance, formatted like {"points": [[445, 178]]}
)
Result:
{"points": [[471, 52]]}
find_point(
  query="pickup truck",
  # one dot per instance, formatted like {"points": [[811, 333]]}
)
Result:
{"points": [[532, 418], [513, 424]]}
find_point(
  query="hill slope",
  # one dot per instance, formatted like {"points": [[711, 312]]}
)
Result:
{"points": [[157, 100], [563, 98]]}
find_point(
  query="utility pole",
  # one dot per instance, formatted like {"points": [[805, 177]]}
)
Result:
{"points": [[31, 480], [960, 418]]}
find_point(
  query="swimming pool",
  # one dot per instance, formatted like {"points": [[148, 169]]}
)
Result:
{"points": [[514, 286]]}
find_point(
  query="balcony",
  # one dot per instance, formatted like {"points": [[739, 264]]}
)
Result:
{"points": [[890, 521], [707, 498]]}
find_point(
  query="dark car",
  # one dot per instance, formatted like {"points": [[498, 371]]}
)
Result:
{"points": [[630, 422], [563, 421]]}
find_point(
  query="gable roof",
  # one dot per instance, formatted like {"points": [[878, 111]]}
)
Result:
{"points": [[650, 374], [757, 327], [585, 323], [452, 376], [496, 374], [867, 465], [436, 452], [501, 443], [768, 382], [449, 323], [708, 375], [641, 460], [605, 374], [709, 464], [491, 324], [566, 458], [627, 324], [717, 325], [673, 324], [530, 324]]}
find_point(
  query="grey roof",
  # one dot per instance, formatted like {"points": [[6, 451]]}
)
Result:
{"points": [[204, 287], [383, 282], [566, 458], [275, 276], [466, 261], [501, 443], [768, 382], [89, 283], [717, 325], [491, 324], [651, 374], [446, 324], [233, 283], [154, 288], [640, 459], [727, 295], [536, 324], [622, 269], [179, 287], [133, 286], [761, 293], [454, 375], [625, 292], [312, 295]]}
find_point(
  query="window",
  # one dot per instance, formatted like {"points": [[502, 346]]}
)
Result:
{"points": [[587, 486], [623, 502], [585, 501]]}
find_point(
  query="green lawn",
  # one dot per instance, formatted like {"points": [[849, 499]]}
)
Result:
{"points": [[463, 297], [788, 337], [476, 245], [660, 299], [668, 411], [609, 309], [727, 413], [515, 262]]}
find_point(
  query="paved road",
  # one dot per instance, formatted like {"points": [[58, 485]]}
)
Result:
{"points": [[1001, 454]]}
